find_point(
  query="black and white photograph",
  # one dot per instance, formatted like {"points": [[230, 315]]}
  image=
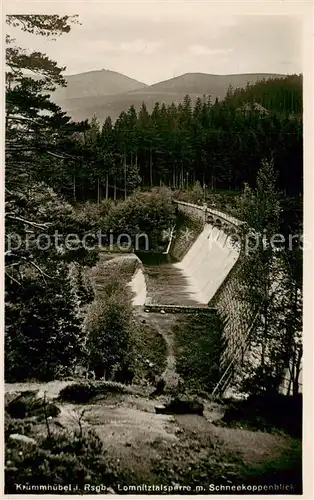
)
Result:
{"points": [[154, 248]]}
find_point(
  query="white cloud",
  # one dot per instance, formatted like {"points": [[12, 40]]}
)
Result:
{"points": [[132, 47], [155, 41], [139, 46], [201, 50]]}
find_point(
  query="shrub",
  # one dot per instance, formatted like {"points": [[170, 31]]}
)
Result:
{"points": [[78, 393], [108, 328], [82, 392], [149, 213], [61, 459], [42, 329]]}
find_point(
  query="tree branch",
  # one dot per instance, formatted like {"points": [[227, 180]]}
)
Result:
{"points": [[11, 278], [30, 223]]}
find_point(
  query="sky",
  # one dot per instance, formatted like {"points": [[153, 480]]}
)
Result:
{"points": [[155, 41]]}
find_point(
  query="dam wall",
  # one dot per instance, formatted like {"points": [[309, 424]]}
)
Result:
{"points": [[209, 261], [212, 265], [215, 270]]}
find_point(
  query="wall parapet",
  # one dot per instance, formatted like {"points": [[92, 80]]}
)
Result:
{"points": [[175, 309], [203, 211]]}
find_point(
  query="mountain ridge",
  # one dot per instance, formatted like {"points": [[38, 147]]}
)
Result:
{"points": [[104, 92]]}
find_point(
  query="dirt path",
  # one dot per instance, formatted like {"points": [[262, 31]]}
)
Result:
{"points": [[163, 323]]}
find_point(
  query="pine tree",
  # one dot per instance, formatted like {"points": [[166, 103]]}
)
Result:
{"points": [[261, 284], [42, 331]]}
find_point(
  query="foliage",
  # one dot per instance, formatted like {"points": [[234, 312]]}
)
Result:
{"points": [[92, 214], [265, 286], [43, 333], [179, 145], [42, 329], [197, 192], [149, 352], [29, 404], [81, 285], [267, 412], [147, 213], [281, 95], [82, 392], [108, 326]]}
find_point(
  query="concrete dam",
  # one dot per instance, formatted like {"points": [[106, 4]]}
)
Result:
{"points": [[208, 262], [204, 278], [195, 279]]}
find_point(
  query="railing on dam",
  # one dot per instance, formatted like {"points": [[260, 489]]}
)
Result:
{"points": [[202, 211], [175, 309]]}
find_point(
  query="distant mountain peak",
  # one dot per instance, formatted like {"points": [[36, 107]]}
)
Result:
{"points": [[96, 83]]}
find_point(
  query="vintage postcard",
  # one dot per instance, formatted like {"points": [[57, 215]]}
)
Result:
{"points": [[157, 249]]}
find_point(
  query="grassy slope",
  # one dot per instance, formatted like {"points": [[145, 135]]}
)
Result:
{"points": [[197, 349]]}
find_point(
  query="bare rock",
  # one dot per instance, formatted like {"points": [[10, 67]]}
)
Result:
{"points": [[20, 438]]}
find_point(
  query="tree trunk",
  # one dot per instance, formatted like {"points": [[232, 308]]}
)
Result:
{"points": [[297, 373], [107, 185], [124, 168], [115, 189], [151, 166], [98, 190], [74, 188], [229, 179], [289, 387]]}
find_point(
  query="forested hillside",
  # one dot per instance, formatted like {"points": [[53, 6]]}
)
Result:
{"points": [[279, 95], [219, 144]]}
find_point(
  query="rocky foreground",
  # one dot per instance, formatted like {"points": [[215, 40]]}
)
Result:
{"points": [[117, 436]]}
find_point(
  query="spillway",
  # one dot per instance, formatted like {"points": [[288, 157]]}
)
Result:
{"points": [[194, 280], [209, 261]]}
